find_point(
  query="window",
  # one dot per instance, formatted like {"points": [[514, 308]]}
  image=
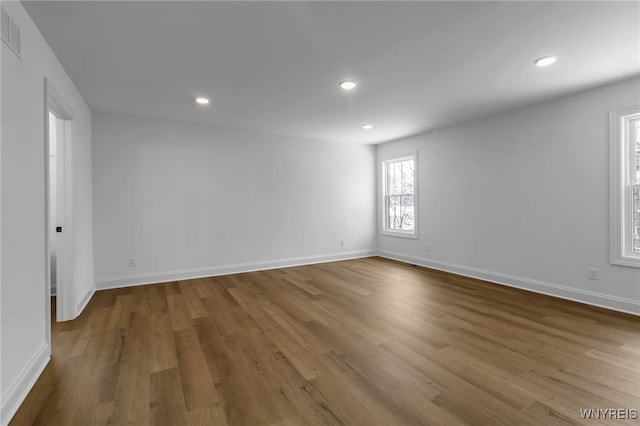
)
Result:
{"points": [[625, 186], [399, 197]]}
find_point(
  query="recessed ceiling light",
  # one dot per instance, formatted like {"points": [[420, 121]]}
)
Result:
{"points": [[347, 84], [367, 126], [202, 101], [544, 61]]}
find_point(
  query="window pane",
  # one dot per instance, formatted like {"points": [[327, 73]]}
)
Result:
{"points": [[634, 141], [395, 176], [637, 151], [400, 177], [401, 212], [407, 176], [635, 229]]}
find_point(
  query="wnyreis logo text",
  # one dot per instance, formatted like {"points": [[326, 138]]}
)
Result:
{"points": [[608, 413]]}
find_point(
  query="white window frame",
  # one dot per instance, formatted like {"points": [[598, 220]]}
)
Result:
{"points": [[385, 211], [622, 165]]}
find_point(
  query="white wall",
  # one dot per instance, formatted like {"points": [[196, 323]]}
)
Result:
{"points": [[189, 200], [522, 198], [24, 350]]}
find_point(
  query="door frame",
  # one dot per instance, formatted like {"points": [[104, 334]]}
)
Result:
{"points": [[65, 282]]}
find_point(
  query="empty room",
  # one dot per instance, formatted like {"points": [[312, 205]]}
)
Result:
{"points": [[285, 213]]}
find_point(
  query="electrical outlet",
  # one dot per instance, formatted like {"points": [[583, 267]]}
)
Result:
{"points": [[426, 247], [133, 261], [594, 274], [341, 243]]}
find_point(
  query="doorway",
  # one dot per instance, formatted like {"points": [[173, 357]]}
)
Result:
{"points": [[58, 227]]}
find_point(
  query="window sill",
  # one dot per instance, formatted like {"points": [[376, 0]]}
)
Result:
{"points": [[633, 262], [410, 235]]}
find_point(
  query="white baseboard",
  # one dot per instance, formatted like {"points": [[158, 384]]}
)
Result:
{"points": [[19, 389], [130, 280], [583, 296]]}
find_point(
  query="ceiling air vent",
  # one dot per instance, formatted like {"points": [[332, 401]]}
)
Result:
{"points": [[10, 33]]}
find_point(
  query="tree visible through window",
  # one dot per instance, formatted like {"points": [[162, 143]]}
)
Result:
{"points": [[399, 195]]}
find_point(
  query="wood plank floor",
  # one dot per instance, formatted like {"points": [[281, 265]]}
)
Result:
{"points": [[360, 342]]}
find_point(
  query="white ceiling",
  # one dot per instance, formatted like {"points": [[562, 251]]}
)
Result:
{"points": [[274, 66]]}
